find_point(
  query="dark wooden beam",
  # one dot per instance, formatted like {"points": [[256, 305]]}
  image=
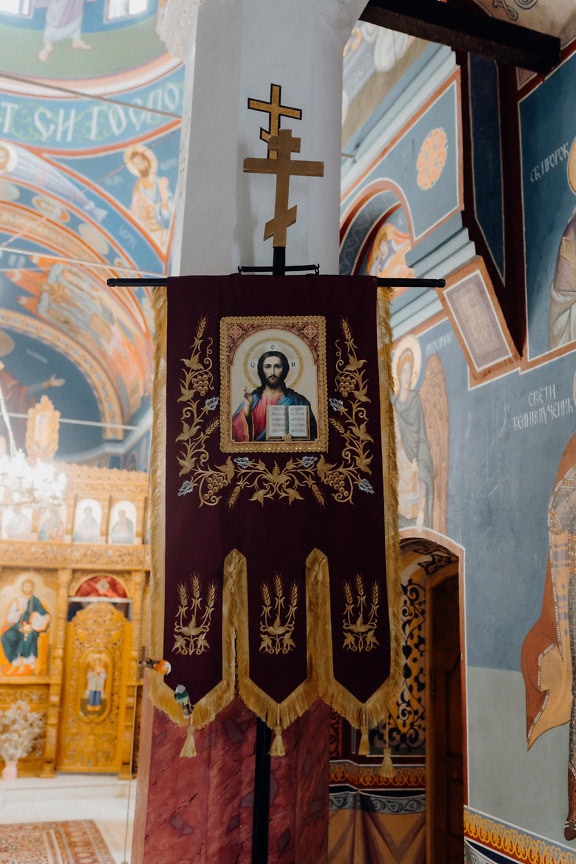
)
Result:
{"points": [[469, 31]]}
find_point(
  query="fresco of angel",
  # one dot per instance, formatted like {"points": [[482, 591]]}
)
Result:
{"points": [[422, 433]]}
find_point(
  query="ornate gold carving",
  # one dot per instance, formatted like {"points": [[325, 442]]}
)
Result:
{"points": [[277, 626], [37, 695], [89, 479], [43, 554], [293, 475], [191, 637], [61, 567], [359, 622], [93, 743], [42, 430]]}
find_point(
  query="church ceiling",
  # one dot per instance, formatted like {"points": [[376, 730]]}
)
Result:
{"points": [[90, 111], [90, 107]]}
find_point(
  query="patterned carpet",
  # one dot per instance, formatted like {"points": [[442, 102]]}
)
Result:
{"points": [[78, 842]]}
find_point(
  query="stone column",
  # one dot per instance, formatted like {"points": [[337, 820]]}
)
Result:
{"points": [[237, 49], [200, 810]]}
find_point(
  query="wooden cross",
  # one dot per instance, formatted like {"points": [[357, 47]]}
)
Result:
{"points": [[284, 167], [276, 110]]}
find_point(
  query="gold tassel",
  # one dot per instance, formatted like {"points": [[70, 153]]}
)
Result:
{"points": [[364, 748], [387, 768], [189, 748], [277, 748]]}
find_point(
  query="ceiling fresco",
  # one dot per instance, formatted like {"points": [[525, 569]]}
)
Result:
{"points": [[90, 120], [90, 109]]}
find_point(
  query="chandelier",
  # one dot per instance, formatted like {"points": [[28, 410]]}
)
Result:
{"points": [[25, 481]]}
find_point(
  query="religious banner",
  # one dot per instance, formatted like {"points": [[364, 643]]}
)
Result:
{"points": [[274, 529]]}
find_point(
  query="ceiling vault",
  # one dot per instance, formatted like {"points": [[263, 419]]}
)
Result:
{"points": [[469, 31]]}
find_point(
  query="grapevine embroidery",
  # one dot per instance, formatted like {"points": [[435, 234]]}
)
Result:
{"points": [[287, 478]]}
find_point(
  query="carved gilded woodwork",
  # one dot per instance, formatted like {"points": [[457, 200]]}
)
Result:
{"points": [[97, 644], [59, 567], [42, 430], [38, 554]]}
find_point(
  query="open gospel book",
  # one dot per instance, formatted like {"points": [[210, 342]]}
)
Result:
{"points": [[287, 421]]}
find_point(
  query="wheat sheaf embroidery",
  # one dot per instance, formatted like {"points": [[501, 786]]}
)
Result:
{"points": [[193, 618], [278, 617], [360, 618]]}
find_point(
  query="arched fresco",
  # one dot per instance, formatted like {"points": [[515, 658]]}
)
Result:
{"points": [[90, 107]]}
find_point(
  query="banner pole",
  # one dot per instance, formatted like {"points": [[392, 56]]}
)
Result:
{"points": [[261, 815], [261, 812]]}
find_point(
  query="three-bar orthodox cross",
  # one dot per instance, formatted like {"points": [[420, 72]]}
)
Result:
{"points": [[281, 146]]}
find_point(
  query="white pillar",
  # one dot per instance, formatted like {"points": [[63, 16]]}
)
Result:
{"points": [[237, 49]]}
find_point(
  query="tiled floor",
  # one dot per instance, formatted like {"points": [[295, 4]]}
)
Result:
{"points": [[103, 798]]}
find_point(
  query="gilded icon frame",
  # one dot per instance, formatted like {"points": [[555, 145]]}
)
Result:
{"points": [[302, 341]]}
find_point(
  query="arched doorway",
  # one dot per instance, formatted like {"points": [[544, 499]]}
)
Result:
{"points": [[415, 816], [430, 578]]}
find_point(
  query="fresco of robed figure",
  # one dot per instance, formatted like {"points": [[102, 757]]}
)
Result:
{"points": [[25, 619], [548, 651], [422, 433]]}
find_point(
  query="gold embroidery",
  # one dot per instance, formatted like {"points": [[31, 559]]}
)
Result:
{"points": [[198, 381], [190, 637], [351, 423], [292, 475], [276, 635], [359, 623]]}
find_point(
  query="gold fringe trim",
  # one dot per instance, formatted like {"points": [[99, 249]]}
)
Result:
{"points": [[161, 694], [370, 713], [276, 715], [377, 705]]}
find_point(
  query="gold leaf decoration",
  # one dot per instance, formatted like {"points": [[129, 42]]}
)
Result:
{"points": [[276, 624], [193, 618], [289, 479], [360, 620]]}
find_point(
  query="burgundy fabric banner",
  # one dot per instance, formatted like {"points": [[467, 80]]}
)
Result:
{"points": [[276, 461]]}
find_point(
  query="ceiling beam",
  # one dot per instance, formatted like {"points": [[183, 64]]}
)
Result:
{"points": [[469, 31]]}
